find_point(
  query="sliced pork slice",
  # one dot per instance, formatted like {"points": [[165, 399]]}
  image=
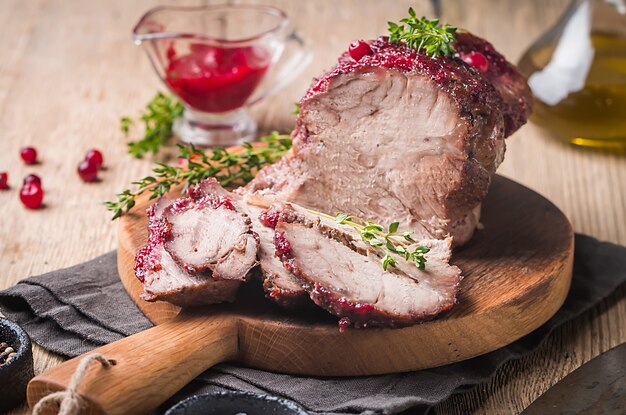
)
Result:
{"points": [[344, 277], [279, 284], [207, 233], [171, 283], [165, 280]]}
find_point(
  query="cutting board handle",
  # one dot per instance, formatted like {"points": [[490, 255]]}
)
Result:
{"points": [[151, 366]]}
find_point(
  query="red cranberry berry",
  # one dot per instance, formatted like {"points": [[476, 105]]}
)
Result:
{"points": [[32, 178], [31, 195], [358, 49], [88, 171], [93, 156], [477, 60], [29, 155], [4, 180]]}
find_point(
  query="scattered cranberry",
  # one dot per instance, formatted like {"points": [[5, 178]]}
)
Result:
{"points": [[477, 60], [358, 49], [95, 157], [88, 171], [4, 180], [32, 178], [31, 195], [29, 155]]}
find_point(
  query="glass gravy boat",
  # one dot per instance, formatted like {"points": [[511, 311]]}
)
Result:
{"points": [[219, 60]]}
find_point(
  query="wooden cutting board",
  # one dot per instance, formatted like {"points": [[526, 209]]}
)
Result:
{"points": [[517, 274]]}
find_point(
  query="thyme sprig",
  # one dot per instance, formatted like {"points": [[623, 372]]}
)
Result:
{"points": [[158, 119], [386, 240], [423, 34], [229, 168]]}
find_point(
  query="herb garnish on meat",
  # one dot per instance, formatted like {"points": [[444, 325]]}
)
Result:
{"points": [[423, 34]]}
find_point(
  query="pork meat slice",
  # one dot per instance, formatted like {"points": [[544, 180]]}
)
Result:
{"points": [[165, 280], [345, 278], [396, 136], [207, 233], [279, 284]]}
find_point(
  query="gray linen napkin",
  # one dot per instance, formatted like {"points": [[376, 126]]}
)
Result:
{"points": [[74, 310]]}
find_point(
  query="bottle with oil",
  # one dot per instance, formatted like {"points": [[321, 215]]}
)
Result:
{"points": [[577, 72]]}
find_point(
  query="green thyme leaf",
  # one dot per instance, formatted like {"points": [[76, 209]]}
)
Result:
{"points": [[341, 218], [376, 243], [390, 243], [393, 227], [387, 261], [423, 34], [158, 119], [407, 236], [230, 169]]}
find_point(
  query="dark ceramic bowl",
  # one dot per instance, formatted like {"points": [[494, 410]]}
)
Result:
{"points": [[234, 403], [15, 374]]}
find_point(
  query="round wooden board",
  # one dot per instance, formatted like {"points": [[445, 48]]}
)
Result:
{"points": [[517, 272]]}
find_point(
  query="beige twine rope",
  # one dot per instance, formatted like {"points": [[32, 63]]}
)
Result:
{"points": [[69, 401]]}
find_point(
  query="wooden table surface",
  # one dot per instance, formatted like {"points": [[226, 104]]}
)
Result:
{"points": [[69, 71]]}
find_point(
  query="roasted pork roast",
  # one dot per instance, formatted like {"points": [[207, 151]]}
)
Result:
{"points": [[399, 135], [393, 136]]}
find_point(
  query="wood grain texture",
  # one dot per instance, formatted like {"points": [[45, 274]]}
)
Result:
{"points": [[516, 276], [149, 366], [68, 71]]}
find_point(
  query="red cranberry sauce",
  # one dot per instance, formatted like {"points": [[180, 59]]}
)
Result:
{"points": [[282, 245], [216, 79], [212, 200], [148, 257], [270, 217], [145, 260]]}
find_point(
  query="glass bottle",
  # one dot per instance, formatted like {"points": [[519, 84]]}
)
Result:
{"points": [[577, 72]]}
